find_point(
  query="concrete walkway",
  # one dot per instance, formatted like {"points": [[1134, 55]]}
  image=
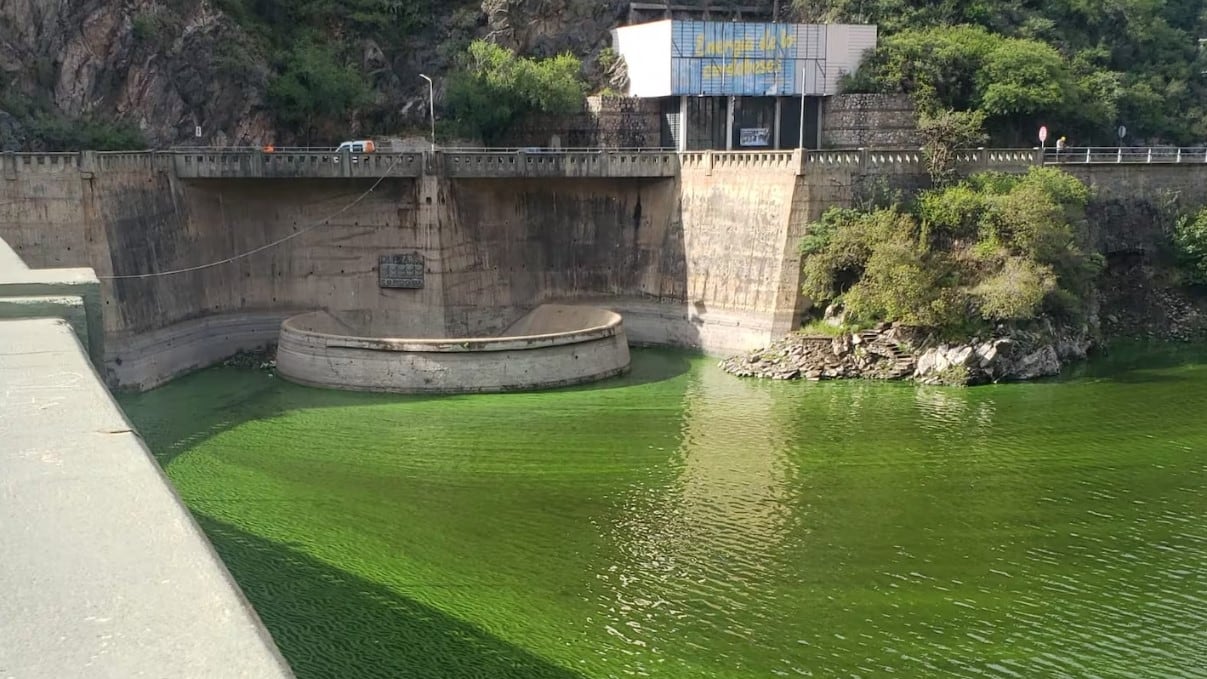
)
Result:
{"points": [[103, 572]]}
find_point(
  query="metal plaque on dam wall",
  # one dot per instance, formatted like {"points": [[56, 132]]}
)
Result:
{"points": [[400, 271]]}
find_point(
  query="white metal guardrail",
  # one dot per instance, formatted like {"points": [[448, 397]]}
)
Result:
{"points": [[1126, 154]]}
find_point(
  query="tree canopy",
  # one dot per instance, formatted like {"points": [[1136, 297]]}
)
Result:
{"points": [[1079, 67], [493, 88], [992, 248]]}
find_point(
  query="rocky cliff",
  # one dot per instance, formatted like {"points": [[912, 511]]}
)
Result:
{"points": [[163, 68]]}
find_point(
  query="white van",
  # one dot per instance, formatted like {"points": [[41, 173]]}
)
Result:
{"points": [[359, 146]]}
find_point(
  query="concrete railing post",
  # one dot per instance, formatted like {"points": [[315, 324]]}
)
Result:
{"points": [[708, 163], [345, 163], [10, 166], [863, 159], [1119, 155], [87, 161], [1150, 155], [1179, 158]]}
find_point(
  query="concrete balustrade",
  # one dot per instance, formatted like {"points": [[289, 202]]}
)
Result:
{"points": [[549, 163], [487, 163], [259, 164]]}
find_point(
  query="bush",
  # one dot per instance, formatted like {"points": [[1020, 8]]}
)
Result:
{"points": [[1190, 244], [993, 248], [900, 282], [1016, 292], [314, 85], [842, 244], [943, 134], [951, 214], [493, 88]]}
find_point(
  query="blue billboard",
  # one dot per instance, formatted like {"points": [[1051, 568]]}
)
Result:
{"points": [[747, 59]]}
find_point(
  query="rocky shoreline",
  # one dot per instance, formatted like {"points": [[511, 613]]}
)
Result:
{"points": [[890, 352]]}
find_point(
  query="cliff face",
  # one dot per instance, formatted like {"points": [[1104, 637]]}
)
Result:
{"points": [[166, 67]]}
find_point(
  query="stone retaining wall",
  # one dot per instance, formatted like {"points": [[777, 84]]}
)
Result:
{"points": [[870, 121]]}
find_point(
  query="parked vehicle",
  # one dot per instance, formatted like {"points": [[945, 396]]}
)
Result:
{"points": [[359, 146]]}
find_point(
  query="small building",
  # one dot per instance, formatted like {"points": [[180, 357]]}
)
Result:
{"points": [[739, 85]]}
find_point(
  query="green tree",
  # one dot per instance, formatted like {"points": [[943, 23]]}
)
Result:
{"points": [[943, 135], [993, 248], [1190, 243], [314, 86], [493, 88]]}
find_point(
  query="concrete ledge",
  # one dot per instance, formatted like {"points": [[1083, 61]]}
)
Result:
{"points": [[147, 360], [70, 309], [311, 353], [78, 282], [9, 260], [104, 572]]}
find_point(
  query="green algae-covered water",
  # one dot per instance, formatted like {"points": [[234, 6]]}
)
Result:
{"points": [[679, 522]]}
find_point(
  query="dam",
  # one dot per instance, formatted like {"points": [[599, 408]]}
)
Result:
{"points": [[141, 271], [203, 254]]}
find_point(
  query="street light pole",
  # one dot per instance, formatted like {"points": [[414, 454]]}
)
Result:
{"points": [[801, 141], [431, 102]]}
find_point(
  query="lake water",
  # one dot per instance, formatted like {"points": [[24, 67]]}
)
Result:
{"points": [[680, 522]]}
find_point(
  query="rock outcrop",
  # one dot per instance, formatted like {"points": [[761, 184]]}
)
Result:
{"points": [[549, 27], [896, 353], [997, 360], [872, 354], [165, 72]]}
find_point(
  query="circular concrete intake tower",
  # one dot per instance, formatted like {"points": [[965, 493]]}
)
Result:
{"points": [[554, 345]]}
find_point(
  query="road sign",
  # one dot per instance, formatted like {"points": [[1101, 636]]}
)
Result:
{"points": [[1122, 131], [197, 131], [1043, 133]]}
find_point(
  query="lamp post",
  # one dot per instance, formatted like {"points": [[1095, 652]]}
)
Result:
{"points": [[431, 102], [801, 141]]}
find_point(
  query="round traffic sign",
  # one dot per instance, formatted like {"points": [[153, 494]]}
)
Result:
{"points": [[1122, 131], [1043, 133]]}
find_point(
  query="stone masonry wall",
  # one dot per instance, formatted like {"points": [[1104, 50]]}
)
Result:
{"points": [[870, 121], [608, 122]]}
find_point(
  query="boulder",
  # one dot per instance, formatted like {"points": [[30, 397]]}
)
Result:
{"points": [[1042, 362]]}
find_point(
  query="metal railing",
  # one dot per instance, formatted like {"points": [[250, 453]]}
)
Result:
{"points": [[1125, 154]]}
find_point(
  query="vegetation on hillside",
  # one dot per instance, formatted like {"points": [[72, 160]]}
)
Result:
{"points": [[994, 248], [493, 88], [1080, 67], [56, 132], [1190, 246]]}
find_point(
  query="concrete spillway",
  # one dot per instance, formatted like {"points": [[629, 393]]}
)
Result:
{"points": [[554, 345]]}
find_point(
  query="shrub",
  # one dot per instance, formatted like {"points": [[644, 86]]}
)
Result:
{"points": [[314, 85], [951, 213], [993, 248], [1016, 292], [493, 88], [1190, 244], [943, 134]]}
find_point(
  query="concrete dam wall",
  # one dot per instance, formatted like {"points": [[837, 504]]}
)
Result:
{"points": [[695, 261], [197, 265]]}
